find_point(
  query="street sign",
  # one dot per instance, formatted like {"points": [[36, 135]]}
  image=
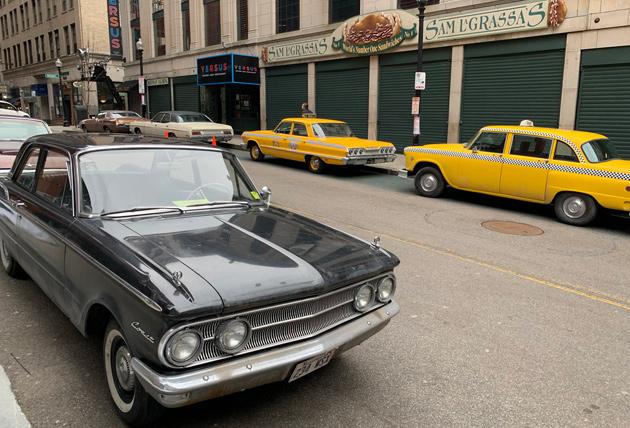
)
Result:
{"points": [[56, 75], [141, 85], [415, 105], [421, 80], [416, 125]]}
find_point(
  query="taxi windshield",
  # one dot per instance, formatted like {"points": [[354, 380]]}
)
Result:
{"points": [[125, 179], [601, 150], [332, 129]]}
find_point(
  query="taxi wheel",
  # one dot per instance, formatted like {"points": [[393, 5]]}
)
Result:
{"points": [[429, 182], [575, 209], [315, 165], [255, 153], [11, 267], [137, 131]]}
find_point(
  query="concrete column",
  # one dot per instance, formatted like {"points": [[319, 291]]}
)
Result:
{"points": [[146, 29], [570, 81], [312, 104], [197, 35], [173, 26], [455, 97], [263, 99], [373, 98]]}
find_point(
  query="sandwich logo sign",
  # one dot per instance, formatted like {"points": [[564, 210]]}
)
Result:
{"points": [[376, 32]]}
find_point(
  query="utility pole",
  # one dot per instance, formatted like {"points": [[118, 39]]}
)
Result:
{"points": [[59, 64], [419, 72], [141, 82]]}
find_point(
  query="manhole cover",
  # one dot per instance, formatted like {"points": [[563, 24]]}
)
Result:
{"points": [[512, 228]]}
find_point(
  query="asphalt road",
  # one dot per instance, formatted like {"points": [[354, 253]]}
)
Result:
{"points": [[495, 329]]}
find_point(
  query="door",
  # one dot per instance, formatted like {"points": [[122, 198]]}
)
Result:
{"points": [[480, 167], [525, 168], [297, 142], [286, 90], [342, 89], [153, 128], [159, 99], [396, 88], [280, 141], [186, 93], [604, 96], [44, 216], [506, 82]]}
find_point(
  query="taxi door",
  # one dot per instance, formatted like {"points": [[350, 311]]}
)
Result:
{"points": [[525, 169], [480, 167], [297, 142], [279, 142]]}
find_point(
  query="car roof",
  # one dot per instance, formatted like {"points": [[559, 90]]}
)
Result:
{"points": [[311, 120], [75, 142], [180, 112], [577, 137]]}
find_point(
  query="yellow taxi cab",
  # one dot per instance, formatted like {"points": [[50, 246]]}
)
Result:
{"points": [[318, 142], [578, 172]]}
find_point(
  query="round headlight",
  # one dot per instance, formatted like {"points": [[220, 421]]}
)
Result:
{"points": [[183, 347], [232, 336], [364, 298], [385, 289]]}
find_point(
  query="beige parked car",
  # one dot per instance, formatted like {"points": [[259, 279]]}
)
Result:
{"points": [[184, 124]]}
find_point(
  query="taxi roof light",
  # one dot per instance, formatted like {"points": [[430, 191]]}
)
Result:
{"points": [[527, 122]]}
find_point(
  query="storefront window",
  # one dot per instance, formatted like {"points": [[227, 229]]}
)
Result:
{"points": [[242, 18], [212, 12], [340, 10], [288, 15], [186, 24]]}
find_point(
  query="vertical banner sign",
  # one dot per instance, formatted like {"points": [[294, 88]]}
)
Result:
{"points": [[113, 22]]}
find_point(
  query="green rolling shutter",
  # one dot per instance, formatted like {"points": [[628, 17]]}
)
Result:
{"points": [[604, 96], [342, 92], [506, 82], [396, 88], [186, 93], [287, 89], [159, 99]]}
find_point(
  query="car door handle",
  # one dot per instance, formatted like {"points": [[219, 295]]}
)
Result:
{"points": [[17, 204]]}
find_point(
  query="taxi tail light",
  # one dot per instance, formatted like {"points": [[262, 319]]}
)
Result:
{"points": [[195, 133]]}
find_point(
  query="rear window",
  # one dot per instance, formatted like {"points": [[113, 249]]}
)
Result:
{"points": [[20, 130], [599, 150]]}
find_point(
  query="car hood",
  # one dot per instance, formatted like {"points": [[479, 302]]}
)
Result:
{"points": [[355, 142], [257, 257]]}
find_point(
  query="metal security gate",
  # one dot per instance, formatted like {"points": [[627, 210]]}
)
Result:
{"points": [[342, 92], [159, 99], [186, 93], [396, 88], [604, 96], [506, 82], [287, 89]]}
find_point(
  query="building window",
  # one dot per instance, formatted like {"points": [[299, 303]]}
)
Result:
{"points": [[30, 52], [73, 32], [48, 10], [159, 32], [134, 9], [66, 35], [212, 14], [64, 5], [340, 10], [51, 44], [25, 53], [54, 7], [242, 18], [22, 16], [70, 4], [27, 19], [158, 5], [39, 55], [39, 11], [57, 44], [135, 36], [288, 15], [413, 4], [41, 43], [186, 25]]}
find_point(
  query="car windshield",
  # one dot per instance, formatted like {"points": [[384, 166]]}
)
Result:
{"points": [[133, 179], [323, 130], [599, 150], [192, 117], [120, 114], [20, 130]]}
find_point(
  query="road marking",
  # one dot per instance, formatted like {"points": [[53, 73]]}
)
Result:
{"points": [[577, 290]]}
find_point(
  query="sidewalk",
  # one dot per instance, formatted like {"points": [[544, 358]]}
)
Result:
{"points": [[11, 415]]}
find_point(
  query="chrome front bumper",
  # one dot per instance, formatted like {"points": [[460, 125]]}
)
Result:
{"points": [[250, 371], [220, 138], [369, 159]]}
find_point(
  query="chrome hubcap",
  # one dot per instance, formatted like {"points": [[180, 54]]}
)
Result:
{"points": [[315, 163], [124, 372], [428, 182], [255, 151], [574, 207]]}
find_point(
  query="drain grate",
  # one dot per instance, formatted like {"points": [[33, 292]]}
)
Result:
{"points": [[512, 228]]}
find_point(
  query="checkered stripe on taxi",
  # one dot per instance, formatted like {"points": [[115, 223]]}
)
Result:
{"points": [[527, 163]]}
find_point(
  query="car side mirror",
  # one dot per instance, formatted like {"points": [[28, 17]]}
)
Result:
{"points": [[474, 149], [265, 194]]}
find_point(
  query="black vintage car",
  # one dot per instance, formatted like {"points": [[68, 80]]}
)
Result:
{"points": [[198, 286]]}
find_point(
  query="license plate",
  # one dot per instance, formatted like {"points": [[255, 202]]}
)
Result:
{"points": [[309, 366]]}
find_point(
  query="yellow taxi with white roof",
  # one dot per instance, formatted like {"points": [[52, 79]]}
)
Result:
{"points": [[318, 142], [578, 172]]}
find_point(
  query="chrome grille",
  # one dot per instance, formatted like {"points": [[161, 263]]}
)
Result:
{"points": [[286, 323]]}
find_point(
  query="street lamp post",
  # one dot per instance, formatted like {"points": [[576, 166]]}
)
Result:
{"points": [[59, 64], [419, 67], [141, 83]]}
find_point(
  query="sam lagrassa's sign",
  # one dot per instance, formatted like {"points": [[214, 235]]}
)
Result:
{"points": [[294, 50], [113, 21], [507, 19]]}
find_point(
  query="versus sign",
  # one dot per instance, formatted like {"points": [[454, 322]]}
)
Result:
{"points": [[529, 16], [113, 21], [230, 68]]}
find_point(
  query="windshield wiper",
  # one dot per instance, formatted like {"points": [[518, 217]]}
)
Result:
{"points": [[138, 211], [220, 204]]}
